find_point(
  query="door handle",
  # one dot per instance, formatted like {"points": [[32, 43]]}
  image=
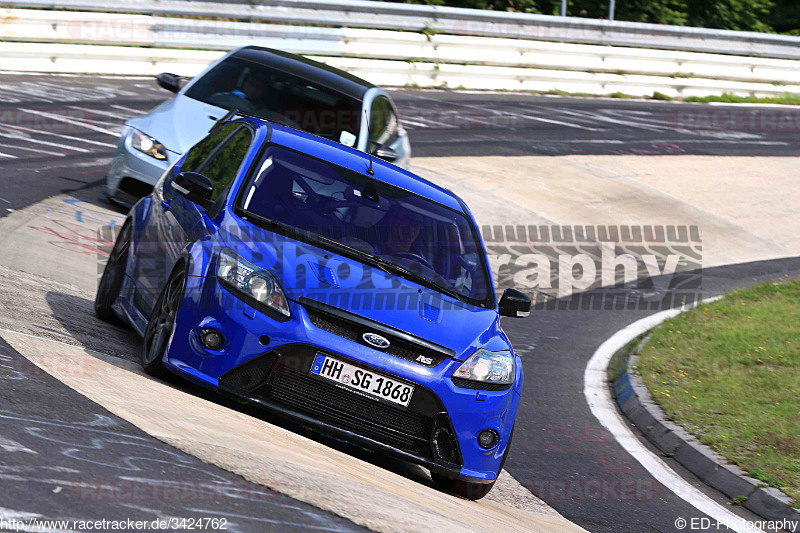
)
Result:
{"points": [[165, 205]]}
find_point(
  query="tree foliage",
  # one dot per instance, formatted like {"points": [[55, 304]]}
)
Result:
{"points": [[748, 15]]}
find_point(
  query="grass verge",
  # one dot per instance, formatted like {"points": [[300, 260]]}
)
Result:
{"points": [[729, 372], [785, 98]]}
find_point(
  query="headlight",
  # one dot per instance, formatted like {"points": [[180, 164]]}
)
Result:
{"points": [[488, 367], [255, 284], [148, 145]]}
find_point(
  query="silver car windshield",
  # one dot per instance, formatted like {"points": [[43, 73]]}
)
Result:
{"points": [[382, 222], [280, 97]]}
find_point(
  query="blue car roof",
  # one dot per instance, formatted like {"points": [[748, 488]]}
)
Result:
{"points": [[357, 161]]}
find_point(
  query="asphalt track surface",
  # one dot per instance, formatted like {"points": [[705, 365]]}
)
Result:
{"points": [[57, 135], [59, 131], [66, 458]]}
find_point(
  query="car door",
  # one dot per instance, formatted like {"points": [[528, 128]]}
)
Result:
{"points": [[176, 220]]}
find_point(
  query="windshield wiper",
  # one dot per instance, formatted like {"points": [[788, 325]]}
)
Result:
{"points": [[370, 259], [388, 266], [413, 276], [315, 238]]}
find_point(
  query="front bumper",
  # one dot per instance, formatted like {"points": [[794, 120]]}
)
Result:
{"points": [[438, 430], [279, 381], [133, 174]]}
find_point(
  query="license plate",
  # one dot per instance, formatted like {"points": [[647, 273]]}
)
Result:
{"points": [[364, 382]]}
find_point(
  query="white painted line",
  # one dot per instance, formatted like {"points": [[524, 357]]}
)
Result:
{"points": [[548, 120], [8, 156], [70, 137], [21, 137], [29, 149], [598, 396], [519, 115], [6, 201], [104, 113], [9, 445], [61, 118], [132, 110], [6, 513], [603, 118], [414, 123]]}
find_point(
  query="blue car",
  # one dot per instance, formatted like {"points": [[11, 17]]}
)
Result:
{"points": [[327, 286]]}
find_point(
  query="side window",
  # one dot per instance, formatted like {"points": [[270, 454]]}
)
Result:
{"points": [[199, 153], [382, 121], [225, 163]]}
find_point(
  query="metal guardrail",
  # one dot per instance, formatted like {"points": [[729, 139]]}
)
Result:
{"points": [[132, 60], [454, 21], [149, 31]]}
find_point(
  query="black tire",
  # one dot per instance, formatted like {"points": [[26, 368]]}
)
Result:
{"points": [[162, 322], [113, 276], [470, 491]]}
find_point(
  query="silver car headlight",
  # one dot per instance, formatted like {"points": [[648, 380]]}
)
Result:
{"points": [[148, 145], [488, 367], [256, 284]]}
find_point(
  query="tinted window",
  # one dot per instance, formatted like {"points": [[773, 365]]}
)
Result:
{"points": [[433, 241], [280, 97], [225, 162], [382, 121], [199, 153]]}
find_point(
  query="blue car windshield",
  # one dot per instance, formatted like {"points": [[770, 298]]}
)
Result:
{"points": [[379, 221]]}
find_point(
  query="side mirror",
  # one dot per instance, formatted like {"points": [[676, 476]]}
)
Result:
{"points": [[170, 82], [195, 187], [387, 154], [382, 151], [514, 304]]}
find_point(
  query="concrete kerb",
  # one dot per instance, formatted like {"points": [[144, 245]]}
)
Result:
{"points": [[636, 403]]}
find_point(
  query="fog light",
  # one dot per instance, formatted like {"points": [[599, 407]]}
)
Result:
{"points": [[488, 438], [211, 339]]}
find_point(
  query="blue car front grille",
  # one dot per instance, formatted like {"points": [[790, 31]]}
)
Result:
{"points": [[281, 377], [403, 429], [352, 327]]}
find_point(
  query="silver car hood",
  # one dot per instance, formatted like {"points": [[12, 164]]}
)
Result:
{"points": [[179, 123]]}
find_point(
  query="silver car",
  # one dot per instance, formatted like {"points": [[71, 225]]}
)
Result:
{"points": [[278, 86]]}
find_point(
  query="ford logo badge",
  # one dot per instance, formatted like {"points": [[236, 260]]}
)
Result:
{"points": [[376, 341]]}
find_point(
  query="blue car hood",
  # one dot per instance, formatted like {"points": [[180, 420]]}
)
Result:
{"points": [[179, 123], [305, 271]]}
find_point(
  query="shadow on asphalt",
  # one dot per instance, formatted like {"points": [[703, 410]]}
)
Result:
{"points": [[77, 316]]}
